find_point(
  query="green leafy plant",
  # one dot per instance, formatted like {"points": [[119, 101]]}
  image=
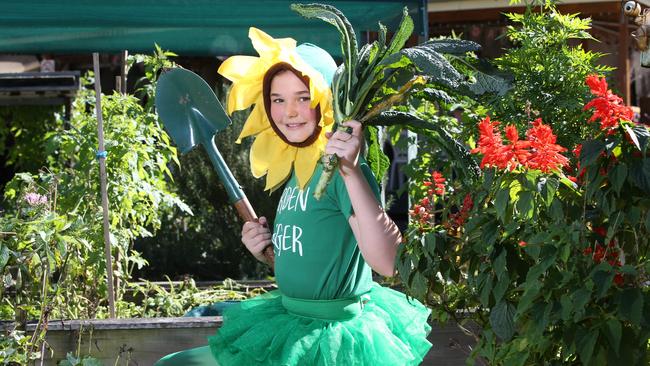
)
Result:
{"points": [[71, 360], [51, 235], [548, 256], [548, 71], [37, 243], [155, 300], [16, 348], [381, 75], [553, 268]]}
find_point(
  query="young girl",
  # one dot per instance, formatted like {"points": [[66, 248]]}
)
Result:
{"points": [[327, 311]]}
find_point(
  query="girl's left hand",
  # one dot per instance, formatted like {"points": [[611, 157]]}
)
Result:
{"points": [[346, 146]]}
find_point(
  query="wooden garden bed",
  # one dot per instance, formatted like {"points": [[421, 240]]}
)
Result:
{"points": [[143, 341]]}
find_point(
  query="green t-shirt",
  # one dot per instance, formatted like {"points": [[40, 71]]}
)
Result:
{"points": [[316, 254]]}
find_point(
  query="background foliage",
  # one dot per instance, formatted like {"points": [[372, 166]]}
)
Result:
{"points": [[51, 237], [551, 271]]}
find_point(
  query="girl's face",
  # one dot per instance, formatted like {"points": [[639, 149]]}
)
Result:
{"points": [[290, 107]]}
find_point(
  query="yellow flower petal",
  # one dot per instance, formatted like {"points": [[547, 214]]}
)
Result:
{"points": [[281, 170], [256, 122], [305, 164], [263, 43], [266, 149], [236, 68]]}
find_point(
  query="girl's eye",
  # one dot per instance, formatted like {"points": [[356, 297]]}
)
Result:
{"points": [[304, 99], [277, 100]]}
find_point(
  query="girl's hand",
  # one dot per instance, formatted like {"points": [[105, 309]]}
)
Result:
{"points": [[346, 146], [256, 236]]}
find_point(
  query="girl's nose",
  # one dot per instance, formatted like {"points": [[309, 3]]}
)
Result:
{"points": [[292, 109]]}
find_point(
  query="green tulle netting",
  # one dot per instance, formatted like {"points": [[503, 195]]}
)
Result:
{"points": [[392, 330]]}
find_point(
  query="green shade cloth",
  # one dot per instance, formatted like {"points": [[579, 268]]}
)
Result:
{"points": [[197, 27]]}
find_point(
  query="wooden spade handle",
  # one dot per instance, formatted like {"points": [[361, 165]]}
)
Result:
{"points": [[246, 212]]}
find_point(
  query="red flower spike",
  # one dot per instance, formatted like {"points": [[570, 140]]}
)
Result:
{"points": [[538, 151], [438, 178], [608, 107], [577, 150], [522, 244], [619, 280], [545, 152], [600, 231]]}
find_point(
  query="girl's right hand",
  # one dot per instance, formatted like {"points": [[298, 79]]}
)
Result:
{"points": [[256, 236]]}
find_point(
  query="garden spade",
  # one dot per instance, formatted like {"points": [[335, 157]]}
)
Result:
{"points": [[192, 115]]}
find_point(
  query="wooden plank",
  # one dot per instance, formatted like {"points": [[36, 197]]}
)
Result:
{"points": [[623, 66], [128, 341]]}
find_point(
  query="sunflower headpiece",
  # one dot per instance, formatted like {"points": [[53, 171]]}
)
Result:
{"points": [[271, 154]]}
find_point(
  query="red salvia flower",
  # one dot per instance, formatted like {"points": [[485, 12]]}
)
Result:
{"points": [[517, 151], [600, 231], [577, 150], [619, 280], [489, 144], [545, 154], [439, 182], [539, 151], [608, 107]]}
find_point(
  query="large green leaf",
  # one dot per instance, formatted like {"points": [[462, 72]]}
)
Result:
{"points": [[501, 202], [429, 62], [335, 17], [486, 289], [403, 264], [617, 176], [547, 188], [639, 134], [525, 204], [430, 244], [531, 291], [502, 320], [500, 264], [643, 136], [501, 287], [378, 161], [457, 152], [434, 95], [640, 174], [366, 55], [486, 83], [585, 342], [538, 269], [631, 305], [591, 150], [452, 46], [4, 256], [602, 281], [613, 331], [402, 34], [350, 50], [434, 66]]}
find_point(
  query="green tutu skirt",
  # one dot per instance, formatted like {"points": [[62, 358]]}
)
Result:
{"points": [[389, 329]]}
